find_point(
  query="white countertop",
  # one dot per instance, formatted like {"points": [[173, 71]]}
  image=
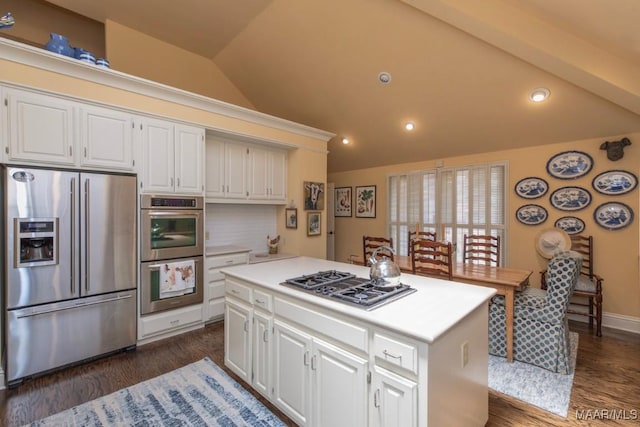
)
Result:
{"points": [[426, 314], [255, 258]]}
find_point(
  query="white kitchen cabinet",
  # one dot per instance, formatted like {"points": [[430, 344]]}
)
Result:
{"points": [[106, 136], [41, 128], [316, 380], [245, 173], [237, 338], [172, 156], [394, 399], [267, 174], [226, 171], [291, 375], [339, 386], [261, 352], [215, 289], [45, 129], [164, 322]]}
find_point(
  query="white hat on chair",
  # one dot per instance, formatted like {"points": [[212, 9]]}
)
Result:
{"points": [[552, 240]]}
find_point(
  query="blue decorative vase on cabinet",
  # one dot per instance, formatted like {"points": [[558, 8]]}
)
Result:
{"points": [[59, 44]]}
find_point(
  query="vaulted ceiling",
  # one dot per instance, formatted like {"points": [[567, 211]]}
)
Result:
{"points": [[461, 70]]}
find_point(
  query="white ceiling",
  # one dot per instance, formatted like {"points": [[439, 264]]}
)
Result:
{"points": [[461, 69]]}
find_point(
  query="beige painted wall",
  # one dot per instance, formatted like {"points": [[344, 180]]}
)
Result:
{"points": [[36, 19], [305, 165], [138, 54], [616, 252]]}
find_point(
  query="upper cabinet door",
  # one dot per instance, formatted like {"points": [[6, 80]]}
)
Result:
{"points": [[189, 154], [41, 128], [278, 175], [158, 155], [107, 138], [258, 174], [235, 171], [214, 170]]}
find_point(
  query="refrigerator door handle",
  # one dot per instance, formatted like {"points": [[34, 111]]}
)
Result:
{"points": [[71, 307], [87, 214], [73, 235]]}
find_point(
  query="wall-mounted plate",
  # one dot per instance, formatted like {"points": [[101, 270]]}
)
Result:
{"points": [[531, 214], [614, 182], [531, 187], [569, 165], [613, 215], [570, 198], [570, 224]]}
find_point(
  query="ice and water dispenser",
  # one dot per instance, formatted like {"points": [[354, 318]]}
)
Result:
{"points": [[36, 241]]}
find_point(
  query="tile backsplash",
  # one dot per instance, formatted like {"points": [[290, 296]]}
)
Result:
{"points": [[242, 225]]}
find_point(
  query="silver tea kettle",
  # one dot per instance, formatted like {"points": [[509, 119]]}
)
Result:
{"points": [[384, 273]]}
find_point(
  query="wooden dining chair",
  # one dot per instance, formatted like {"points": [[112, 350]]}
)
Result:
{"points": [[370, 244], [429, 258], [589, 284], [413, 235], [481, 249]]}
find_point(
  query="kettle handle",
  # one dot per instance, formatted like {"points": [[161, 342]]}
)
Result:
{"points": [[372, 258]]}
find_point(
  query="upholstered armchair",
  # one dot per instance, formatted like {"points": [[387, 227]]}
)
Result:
{"points": [[540, 324]]}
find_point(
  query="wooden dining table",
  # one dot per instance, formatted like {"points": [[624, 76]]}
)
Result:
{"points": [[506, 281]]}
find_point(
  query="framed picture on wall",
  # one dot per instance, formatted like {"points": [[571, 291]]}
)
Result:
{"points": [[313, 196], [291, 216], [313, 223], [343, 201], [366, 201]]}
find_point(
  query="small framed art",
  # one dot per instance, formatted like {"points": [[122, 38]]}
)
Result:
{"points": [[291, 215], [366, 201], [343, 201], [313, 223]]}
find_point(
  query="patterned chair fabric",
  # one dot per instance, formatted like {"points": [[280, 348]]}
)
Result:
{"points": [[540, 324]]}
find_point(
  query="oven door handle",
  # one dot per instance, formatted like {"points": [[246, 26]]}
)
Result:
{"points": [[182, 213]]}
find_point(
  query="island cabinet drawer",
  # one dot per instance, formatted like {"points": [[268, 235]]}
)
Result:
{"points": [[334, 328], [263, 300], [238, 290], [396, 352], [216, 290]]}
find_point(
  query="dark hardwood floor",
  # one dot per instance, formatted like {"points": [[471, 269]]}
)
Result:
{"points": [[607, 378]]}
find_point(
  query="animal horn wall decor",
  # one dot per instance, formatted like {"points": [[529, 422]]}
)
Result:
{"points": [[615, 148]]}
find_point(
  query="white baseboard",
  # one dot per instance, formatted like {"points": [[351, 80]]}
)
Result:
{"points": [[614, 321]]}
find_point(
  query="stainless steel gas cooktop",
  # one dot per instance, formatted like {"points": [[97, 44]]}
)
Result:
{"points": [[347, 288]]}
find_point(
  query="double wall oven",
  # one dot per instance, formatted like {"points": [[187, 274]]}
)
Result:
{"points": [[172, 247]]}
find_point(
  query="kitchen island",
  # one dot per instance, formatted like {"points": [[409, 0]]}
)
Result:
{"points": [[421, 359]]}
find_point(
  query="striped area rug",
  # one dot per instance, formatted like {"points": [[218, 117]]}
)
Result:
{"points": [[199, 394], [534, 385]]}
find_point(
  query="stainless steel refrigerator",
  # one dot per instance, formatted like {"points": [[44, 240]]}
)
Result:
{"points": [[70, 258]]}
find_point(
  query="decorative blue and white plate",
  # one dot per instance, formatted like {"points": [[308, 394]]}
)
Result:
{"points": [[615, 182], [613, 215], [531, 214], [531, 187], [570, 198], [569, 165], [570, 224]]}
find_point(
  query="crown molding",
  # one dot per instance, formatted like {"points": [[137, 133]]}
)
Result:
{"points": [[39, 58]]}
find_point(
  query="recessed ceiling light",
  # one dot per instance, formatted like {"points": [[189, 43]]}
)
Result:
{"points": [[345, 141], [409, 126], [384, 77], [539, 94]]}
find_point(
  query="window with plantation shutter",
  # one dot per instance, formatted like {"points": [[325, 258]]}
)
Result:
{"points": [[450, 201]]}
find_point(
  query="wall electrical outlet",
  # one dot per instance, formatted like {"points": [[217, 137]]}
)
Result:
{"points": [[206, 235], [464, 353]]}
